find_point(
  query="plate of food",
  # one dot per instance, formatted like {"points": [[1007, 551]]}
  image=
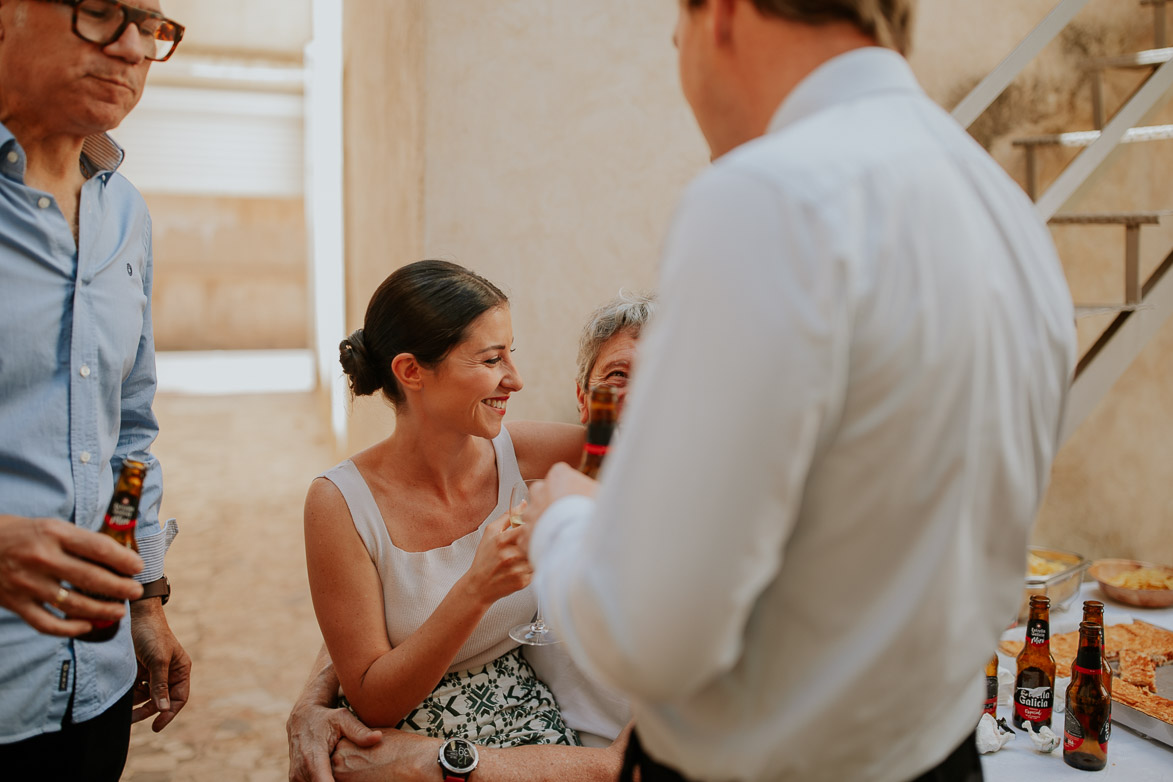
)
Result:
{"points": [[1134, 582]]}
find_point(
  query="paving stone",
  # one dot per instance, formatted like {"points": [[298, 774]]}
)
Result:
{"points": [[236, 470]]}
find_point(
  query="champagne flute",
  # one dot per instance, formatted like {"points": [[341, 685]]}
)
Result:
{"points": [[534, 633]]}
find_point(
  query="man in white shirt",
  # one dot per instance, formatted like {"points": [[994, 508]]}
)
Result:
{"points": [[796, 564]]}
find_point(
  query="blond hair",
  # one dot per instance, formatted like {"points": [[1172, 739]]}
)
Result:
{"points": [[889, 22]]}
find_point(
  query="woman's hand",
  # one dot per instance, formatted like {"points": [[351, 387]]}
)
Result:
{"points": [[500, 567]]}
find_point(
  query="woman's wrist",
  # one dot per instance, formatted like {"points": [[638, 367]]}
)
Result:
{"points": [[471, 596]]}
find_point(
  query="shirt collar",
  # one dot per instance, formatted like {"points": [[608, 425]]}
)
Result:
{"points": [[99, 152], [845, 78]]}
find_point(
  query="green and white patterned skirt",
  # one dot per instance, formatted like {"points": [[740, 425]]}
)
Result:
{"points": [[501, 704]]}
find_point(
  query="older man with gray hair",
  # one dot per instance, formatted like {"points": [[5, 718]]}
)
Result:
{"points": [[77, 381]]}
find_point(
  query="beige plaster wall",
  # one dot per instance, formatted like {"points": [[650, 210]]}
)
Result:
{"points": [[230, 273], [383, 99], [1111, 492], [557, 142]]}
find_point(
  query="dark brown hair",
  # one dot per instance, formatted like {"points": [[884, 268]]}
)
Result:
{"points": [[425, 309], [888, 21]]}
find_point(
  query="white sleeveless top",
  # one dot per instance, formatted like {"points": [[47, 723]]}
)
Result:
{"points": [[414, 582]]}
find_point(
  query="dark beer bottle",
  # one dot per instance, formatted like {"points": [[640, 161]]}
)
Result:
{"points": [[1093, 611], [1086, 724], [602, 415], [120, 522], [1034, 684], [991, 704]]}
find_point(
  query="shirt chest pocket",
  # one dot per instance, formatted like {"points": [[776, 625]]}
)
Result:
{"points": [[117, 301]]}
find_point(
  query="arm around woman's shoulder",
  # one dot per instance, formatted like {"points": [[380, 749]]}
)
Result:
{"points": [[540, 445]]}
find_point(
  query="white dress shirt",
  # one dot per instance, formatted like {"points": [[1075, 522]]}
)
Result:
{"points": [[813, 531]]}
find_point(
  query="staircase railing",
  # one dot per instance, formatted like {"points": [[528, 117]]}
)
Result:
{"points": [[1146, 304], [989, 88]]}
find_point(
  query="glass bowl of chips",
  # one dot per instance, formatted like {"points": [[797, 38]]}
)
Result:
{"points": [[1135, 582], [1052, 572]]}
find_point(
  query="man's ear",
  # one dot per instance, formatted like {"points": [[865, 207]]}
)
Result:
{"points": [[582, 403], [407, 371], [723, 13]]}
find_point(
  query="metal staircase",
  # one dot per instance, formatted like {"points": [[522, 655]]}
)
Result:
{"points": [[1146, 304]]}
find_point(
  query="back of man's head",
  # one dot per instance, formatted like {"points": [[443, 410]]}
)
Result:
{"points": [[889, 22]]}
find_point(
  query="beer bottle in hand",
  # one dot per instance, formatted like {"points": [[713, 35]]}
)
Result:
{"points": [[991, 705], [120, 522], [1034, 685], [1086, 724], [1093, 611], [602, 415]]}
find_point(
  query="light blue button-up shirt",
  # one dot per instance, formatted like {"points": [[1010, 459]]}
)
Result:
{"points": [[77, 379]]}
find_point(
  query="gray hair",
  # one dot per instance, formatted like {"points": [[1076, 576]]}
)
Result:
{"points": [[627, 312]]}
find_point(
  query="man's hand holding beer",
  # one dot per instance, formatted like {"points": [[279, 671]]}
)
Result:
{"points": [[38, 555]]}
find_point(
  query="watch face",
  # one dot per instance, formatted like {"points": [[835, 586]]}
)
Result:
{"points": [[459, 755]]}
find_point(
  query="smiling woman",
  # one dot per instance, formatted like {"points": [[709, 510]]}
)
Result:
{"points": [[415, 577]]}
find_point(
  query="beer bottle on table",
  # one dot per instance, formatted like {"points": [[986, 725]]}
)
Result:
{"points": [[1034, 684], [1086, 724], [1093, 611], [120, 522], [602, 415], [991, 704]]}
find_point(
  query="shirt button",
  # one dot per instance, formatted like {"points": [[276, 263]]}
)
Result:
{"points": [[12, 156], [85, 457], [44, 202], [84, 371]]}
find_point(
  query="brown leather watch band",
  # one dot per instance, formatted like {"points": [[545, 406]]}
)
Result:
{"points": [[160, 587]]}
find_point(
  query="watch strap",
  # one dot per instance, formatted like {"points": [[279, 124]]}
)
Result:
{"points": [[160, 587]]}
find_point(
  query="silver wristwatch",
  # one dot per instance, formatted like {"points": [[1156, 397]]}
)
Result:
{"points": [[458, 758]]}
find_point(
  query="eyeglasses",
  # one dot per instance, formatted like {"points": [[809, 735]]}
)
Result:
{"points": [[104, 21]]}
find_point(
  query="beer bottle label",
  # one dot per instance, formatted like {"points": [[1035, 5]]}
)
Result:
{"points": [[1034, 703], [1105, 734], [991, 704], [1072, 732], [121, 516], [1038, 632]]}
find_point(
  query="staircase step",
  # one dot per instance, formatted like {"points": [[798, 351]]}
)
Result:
{"points": [[1083, 138], [1146, 59], [1110, 218], [1090, 310]]}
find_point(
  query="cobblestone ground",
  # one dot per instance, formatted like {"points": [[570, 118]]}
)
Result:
{"points": [[235, 471]]}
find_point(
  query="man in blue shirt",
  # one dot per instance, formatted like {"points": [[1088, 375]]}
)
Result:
{"points": [[77, 380]]}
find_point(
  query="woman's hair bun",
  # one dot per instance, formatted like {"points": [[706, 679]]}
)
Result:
{"points": [[356, 363]]}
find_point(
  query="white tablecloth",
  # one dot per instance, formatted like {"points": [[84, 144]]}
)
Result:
{"points": [[1131, 758]]}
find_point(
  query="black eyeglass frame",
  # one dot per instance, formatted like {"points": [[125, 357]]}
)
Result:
{"points": [[130, 15]]}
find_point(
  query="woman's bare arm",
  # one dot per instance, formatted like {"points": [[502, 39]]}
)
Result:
{"points": [[540, 445]]}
